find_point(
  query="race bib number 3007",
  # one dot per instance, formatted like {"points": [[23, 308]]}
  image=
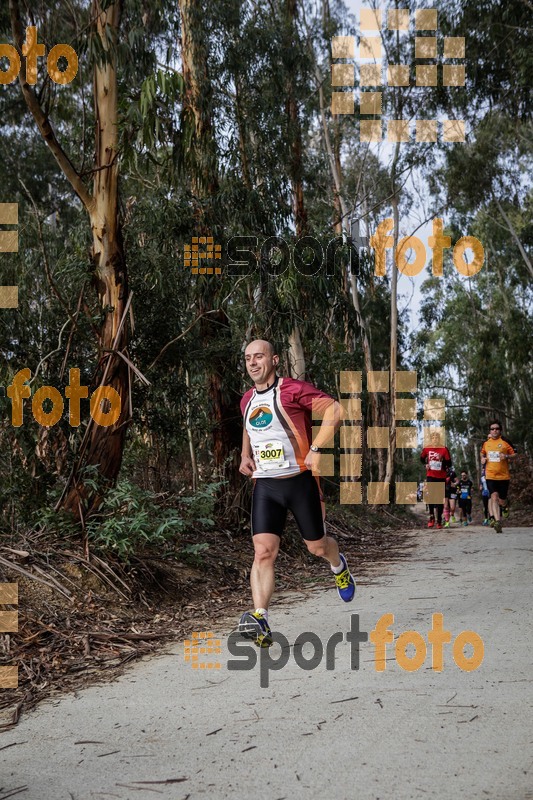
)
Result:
{"points": [[270, 455]]}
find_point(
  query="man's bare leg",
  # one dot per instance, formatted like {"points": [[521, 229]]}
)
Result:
{"points": [[266, 546], [494, 506], [326, 548]]}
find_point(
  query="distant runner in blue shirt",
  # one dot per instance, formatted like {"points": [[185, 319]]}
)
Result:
{"points": [[464, 493]]}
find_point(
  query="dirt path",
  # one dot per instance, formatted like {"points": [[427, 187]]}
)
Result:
{"points": [[166, 730]]}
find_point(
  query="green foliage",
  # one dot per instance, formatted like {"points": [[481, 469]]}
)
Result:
{"points": [[474, 336], [201, 505], [132, 520], [192, 553]]}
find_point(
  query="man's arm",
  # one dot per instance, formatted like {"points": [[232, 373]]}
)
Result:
{"points": [[511, 452], [247, 466], [331, 423]]}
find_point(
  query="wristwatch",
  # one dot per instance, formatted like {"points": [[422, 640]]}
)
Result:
{"points": [[314, 448]]}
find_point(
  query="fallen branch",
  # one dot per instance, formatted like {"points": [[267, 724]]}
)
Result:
{"points": [[17, 568]]}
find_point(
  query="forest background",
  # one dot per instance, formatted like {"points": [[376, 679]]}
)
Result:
{"points": [[205, 119]]}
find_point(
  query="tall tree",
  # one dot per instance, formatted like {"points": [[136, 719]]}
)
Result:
{"points": [[291, 51], [344, 214], [102, 446], [199, 153]]}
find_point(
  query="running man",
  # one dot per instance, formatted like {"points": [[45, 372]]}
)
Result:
{"points": [[485, 494], [450, 496], [495, 455], [505, 508], [280, 456], [436, 459], [464, 490]]}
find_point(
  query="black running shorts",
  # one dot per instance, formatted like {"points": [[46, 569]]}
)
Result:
{"points": [[502, 487], [273, 497]]}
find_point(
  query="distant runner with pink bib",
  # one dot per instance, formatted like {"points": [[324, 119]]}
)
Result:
{"points": [[437, 459]]}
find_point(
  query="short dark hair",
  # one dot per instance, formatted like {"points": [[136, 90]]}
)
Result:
{"points": [[495, 422]]}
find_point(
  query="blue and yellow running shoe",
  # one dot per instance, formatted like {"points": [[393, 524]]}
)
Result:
{"points": [[344, 582], [254, 626]]}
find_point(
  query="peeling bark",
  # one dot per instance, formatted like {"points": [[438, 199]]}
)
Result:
{"points": [[102, 446], [214, 328], [296, 355]]}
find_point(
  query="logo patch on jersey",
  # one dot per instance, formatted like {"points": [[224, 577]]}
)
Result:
{"points": [[260, 417]]}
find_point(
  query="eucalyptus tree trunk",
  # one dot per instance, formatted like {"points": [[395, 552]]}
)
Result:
{"points": [[190, 437], [201, 159], [296, 355], [196, 117], [105, 445], [391, 452], [341, 208], [296, 351], [102, 446], [395, 202]]}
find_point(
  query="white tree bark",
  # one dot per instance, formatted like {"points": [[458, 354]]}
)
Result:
{"points": [[296, 355]]}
